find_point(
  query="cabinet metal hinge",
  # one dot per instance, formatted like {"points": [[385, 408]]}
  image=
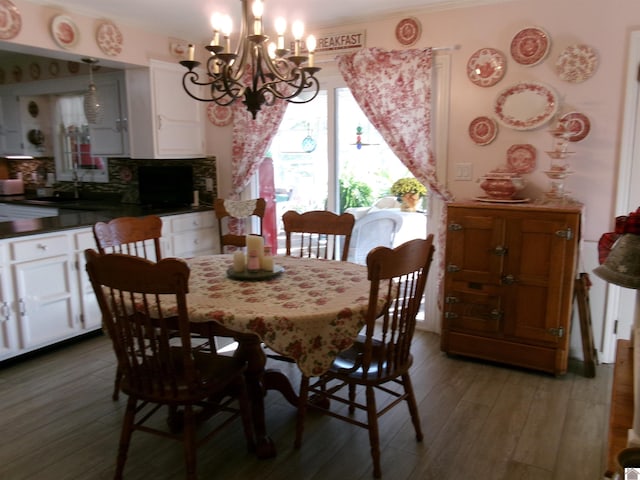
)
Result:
{"points": [[82, 319], [566, 234], [450, 315], [556, 332], [455, 227], [615, 327]]}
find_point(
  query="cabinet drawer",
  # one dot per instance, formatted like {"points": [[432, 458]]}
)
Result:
{"points": [[480, 312], [85, 240], [192, 222], [39, 248], [192, 243]]}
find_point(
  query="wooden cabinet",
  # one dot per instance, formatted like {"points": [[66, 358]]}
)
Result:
{"points": [[164, 121], [509, 274]]}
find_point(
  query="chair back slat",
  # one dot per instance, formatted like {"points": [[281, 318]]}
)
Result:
{"points": [[232, 214], [137, 236], [318, 234], [400, 273], [131, 292]]}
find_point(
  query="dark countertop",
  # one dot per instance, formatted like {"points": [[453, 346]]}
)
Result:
{"points": [[79, 213]]}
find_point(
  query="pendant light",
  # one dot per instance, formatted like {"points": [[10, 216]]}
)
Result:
{"points": [[92, 104]]}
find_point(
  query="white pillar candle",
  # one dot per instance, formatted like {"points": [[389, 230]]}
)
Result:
{"points": [[238, 262], [255, 243], [267, 259]]}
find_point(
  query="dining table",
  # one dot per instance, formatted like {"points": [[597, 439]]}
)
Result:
{"points": [[308, 310]]}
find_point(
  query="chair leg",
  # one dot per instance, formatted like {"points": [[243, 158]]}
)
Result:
{"points": [[116, 384], [374, 434], [125, 437], [190, 442], [352, 398], [302, 410], [413, 407]]}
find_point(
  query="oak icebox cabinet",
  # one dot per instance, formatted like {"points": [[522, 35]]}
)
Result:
{"points": [[509, 277]]}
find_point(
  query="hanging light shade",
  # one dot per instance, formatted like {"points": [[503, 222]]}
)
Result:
{"points": [[622, 266], [257, 72], [92, 104]]}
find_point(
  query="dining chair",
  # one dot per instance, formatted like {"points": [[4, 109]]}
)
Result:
{"points": [[158, 369], [229, 211], [380, 359], [139, 236], [318, 234]]}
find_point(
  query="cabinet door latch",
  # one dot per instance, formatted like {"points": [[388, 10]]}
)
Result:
{"points": [[451, 299], [455, 227], [453, 268], [500, 250], [556, 332], [450, 315], [566, 234]]}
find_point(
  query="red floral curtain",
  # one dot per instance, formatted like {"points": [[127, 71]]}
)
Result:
{"points": [[393, 89]]}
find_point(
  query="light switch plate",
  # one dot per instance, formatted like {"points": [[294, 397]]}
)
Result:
{"points": [[464, 171]]}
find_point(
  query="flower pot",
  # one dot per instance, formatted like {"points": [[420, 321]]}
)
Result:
{"points": [[409, 202]]}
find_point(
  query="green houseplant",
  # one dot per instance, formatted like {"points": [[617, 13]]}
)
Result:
{"points": [[408, 191]]}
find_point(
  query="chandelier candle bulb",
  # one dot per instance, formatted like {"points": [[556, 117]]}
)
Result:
{"points": [[192, 52], [311, 47], [216, 20], [258, 9], [298, 30], [281, 27]]}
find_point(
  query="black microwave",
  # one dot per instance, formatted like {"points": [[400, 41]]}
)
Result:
{"points": [[165, 186]]}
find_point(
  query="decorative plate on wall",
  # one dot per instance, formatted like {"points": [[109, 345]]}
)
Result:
{"points": [[521, 158], [109, 38], [54, 68], [486, 67], [577, 63], [73, 67], [408, 31], [526, 105], [530, 46], [10, 20], [64, 31], [219, 115], [483, 130], [34, 71], [2, 77], [577, 124]]}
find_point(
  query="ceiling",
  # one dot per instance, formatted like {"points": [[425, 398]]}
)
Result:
{"points": [[189, 19]]}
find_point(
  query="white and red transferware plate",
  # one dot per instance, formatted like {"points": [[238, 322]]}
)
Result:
{"points": [[219, 115], [530, 46], [10, 20], [521, 158], [109, 38], [64, 32], [577, 124], [526, 105], [408, 31], [486, 67], [577, 63], [483, 130]]}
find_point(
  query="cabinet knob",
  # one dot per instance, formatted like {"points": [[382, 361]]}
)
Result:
{"points": [[500, 250], [42, 246], [508, 279]]}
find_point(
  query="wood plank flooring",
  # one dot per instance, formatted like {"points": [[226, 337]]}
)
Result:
{"points": [[480, 421]]}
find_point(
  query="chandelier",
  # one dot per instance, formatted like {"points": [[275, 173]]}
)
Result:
{"points": [[257, 72]]}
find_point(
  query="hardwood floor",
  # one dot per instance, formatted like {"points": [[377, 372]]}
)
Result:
{"points": [[480, 421]]}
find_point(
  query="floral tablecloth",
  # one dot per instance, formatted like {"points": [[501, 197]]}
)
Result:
{"points": [[310, 312]]}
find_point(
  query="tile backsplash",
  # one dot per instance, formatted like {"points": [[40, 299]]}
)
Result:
{"points": [[123, 178]]}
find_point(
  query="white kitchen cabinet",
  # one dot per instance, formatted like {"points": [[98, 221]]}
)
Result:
{"points": [[194, 234], [45, 289], [91, 318], [8, 318], [164, 122]]}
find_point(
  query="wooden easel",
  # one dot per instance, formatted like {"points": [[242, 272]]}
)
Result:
{"points": [[581, 294]]}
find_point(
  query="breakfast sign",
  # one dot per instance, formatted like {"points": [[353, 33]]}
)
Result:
{"points": [[334, 43]]}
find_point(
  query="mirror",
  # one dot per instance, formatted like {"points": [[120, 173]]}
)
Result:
{"points": [[51, 102]]}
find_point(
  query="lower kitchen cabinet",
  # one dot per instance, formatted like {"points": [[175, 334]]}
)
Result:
{"points": [[45, 289], [508, 290], [45, 293]]}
